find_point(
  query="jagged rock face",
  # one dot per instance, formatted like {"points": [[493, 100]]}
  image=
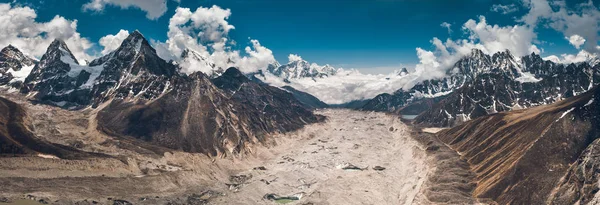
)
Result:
{"points": [[501, 91], [58, 77], [133, 70], [11, 60], [539, 155], [196, 116], [301, 69]]}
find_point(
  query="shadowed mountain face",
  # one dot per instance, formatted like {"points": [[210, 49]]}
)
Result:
{"points": [[196, 116], [540, 155], [309, 101]]}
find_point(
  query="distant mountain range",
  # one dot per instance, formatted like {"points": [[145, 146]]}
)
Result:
{"points": [[481, 84], [299, 68]]}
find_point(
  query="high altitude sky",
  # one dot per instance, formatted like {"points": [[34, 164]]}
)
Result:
{"points": [[373, 36]]}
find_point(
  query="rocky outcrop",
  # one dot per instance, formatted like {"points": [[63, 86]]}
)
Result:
{"points": [[522, 156]]}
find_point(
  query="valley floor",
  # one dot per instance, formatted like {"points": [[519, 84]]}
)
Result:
{"points": [[313, 165], [352, 158]]}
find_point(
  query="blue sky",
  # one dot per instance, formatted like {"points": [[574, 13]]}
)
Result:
{"points": [[376, 36]]}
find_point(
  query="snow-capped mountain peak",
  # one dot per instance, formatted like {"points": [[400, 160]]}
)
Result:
{"points": [[59, 49], [14, 65], [300, 68], [192, 61]]}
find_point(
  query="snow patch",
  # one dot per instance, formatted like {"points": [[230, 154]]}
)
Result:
{"points": [[20, 75], [565, 113], [76, 69], [527, 77], [589, 102]]}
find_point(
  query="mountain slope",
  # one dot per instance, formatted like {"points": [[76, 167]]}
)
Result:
{"points": [[272, 103], [17, 138], [196, 116], [521, 156], [309, 101]]}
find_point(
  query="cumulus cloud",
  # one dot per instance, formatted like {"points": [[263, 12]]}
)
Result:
{"points": [[504, 9], [294, 57], [447, 26], [490, 39], [153, 8], [112, 42], [576, 40], [19, 28], [581, 56], [581, 21], [205, 31]]}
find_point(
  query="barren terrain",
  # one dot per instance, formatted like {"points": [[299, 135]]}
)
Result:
{"points": [[352, 158]]}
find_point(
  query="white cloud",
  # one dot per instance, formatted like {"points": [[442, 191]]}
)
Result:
{"points": [[153, 8], [258, 57], [576, 40], [112, 42], [205, 31], [490, 39], [19, 28], [581, 56], [346, 86], [447, 26], [504, 9], [294, 57], [517, 39], [582, 21]]}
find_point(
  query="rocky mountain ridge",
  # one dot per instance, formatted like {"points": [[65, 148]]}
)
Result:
{"points": [[481, 84]]}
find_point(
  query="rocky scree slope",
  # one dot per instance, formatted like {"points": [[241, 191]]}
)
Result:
{"points": [[197, 116], [539, 155], [17, 137]]}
